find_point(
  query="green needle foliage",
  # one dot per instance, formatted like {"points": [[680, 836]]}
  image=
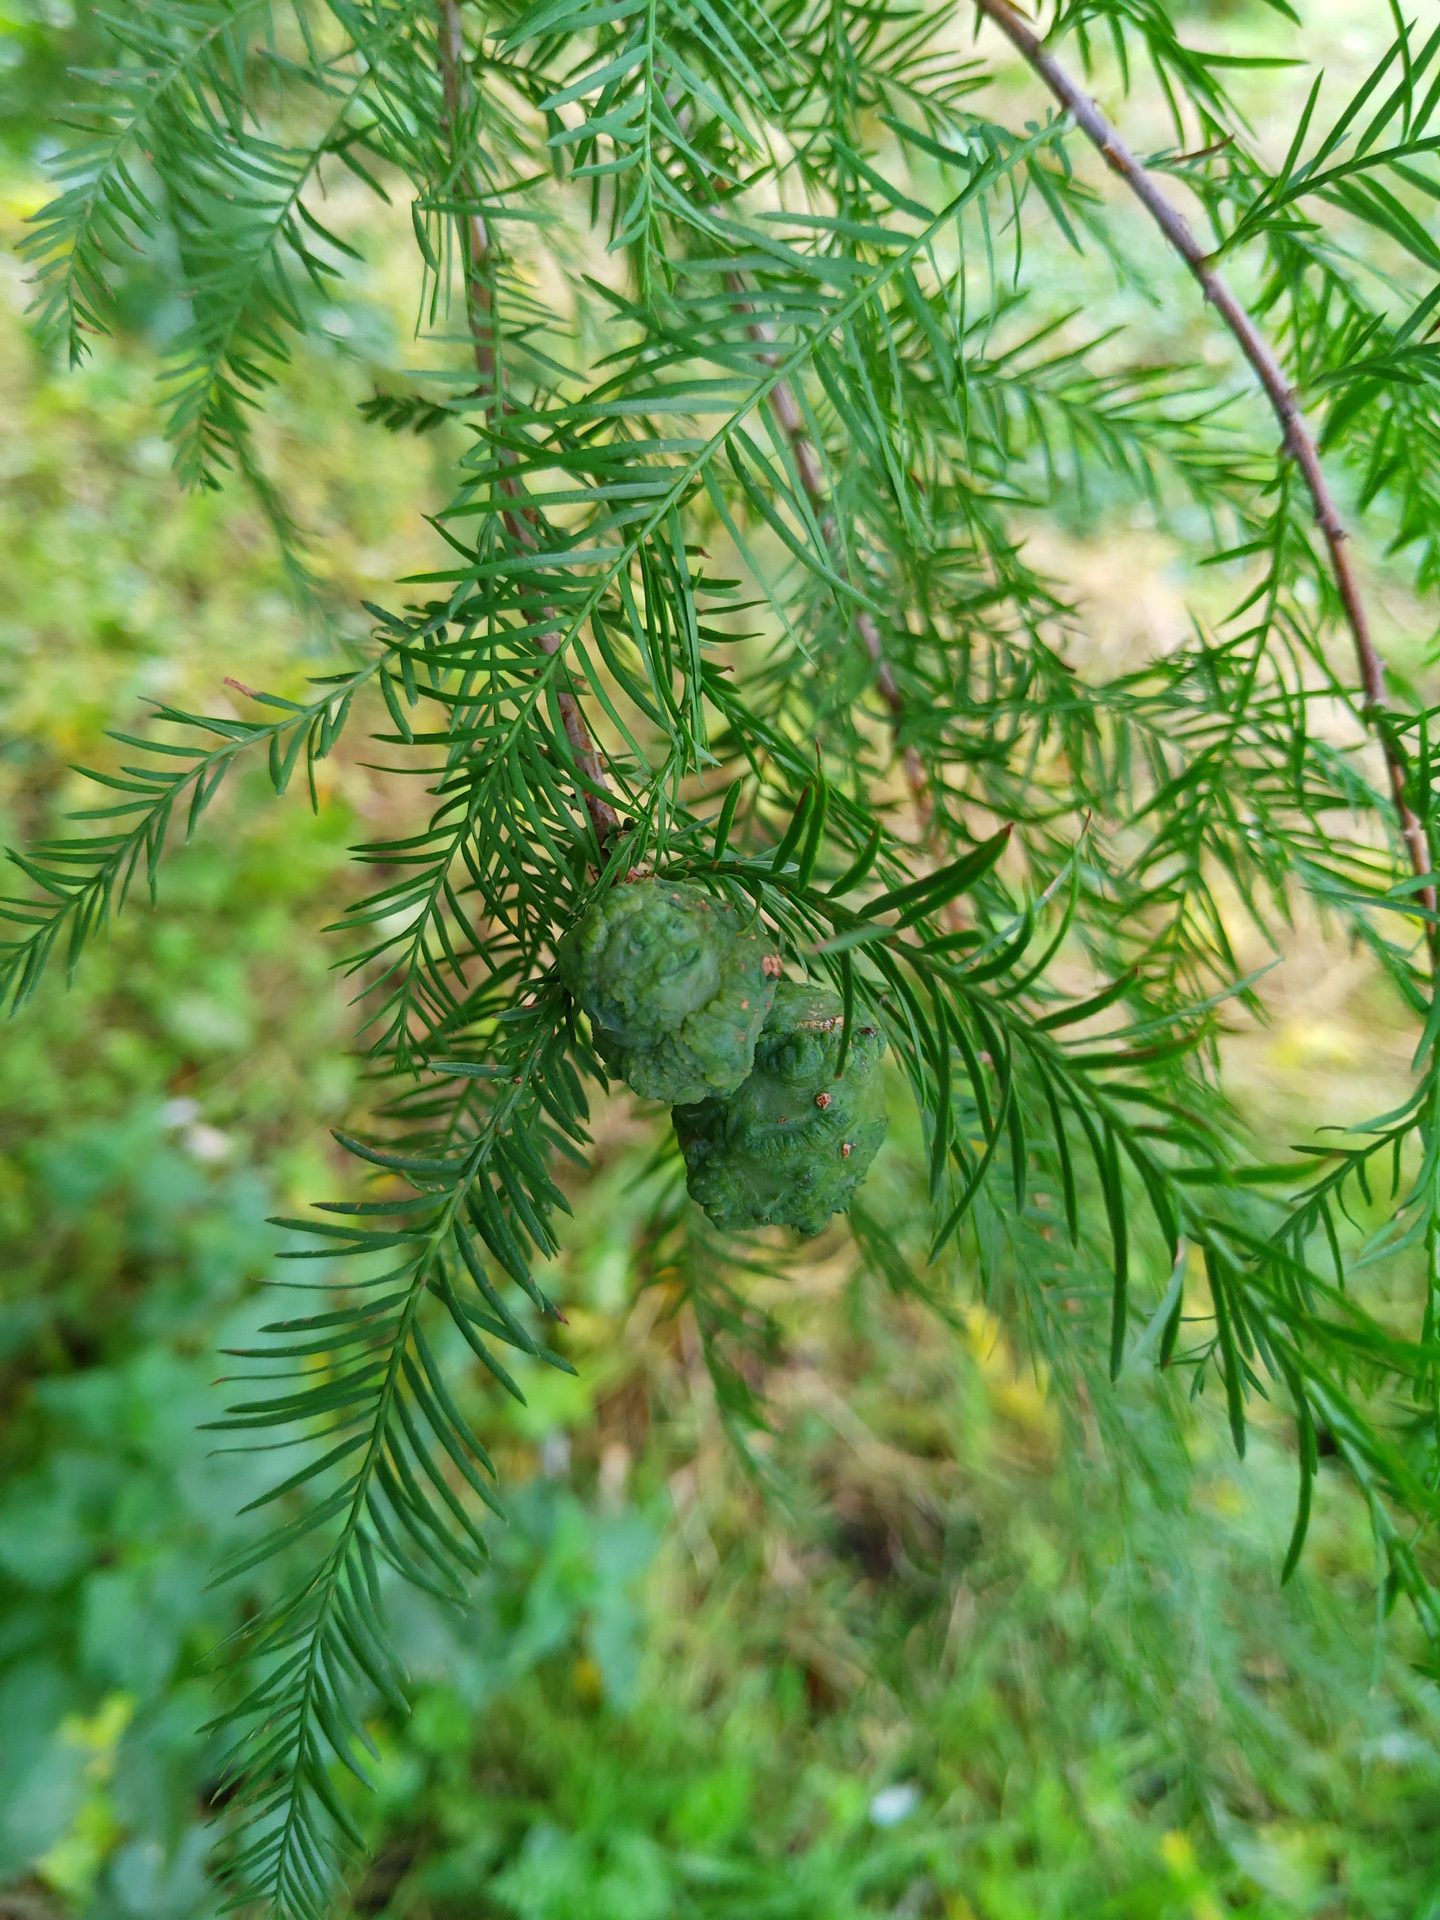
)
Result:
{"points": [[740, 590]]}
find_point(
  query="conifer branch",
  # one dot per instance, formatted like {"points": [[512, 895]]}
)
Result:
{"points": [[1298, 440], [83, 880], [791, 422], [594, 781]]}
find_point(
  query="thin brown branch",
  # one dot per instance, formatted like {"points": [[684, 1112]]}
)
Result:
{"points": [[1298, 440], [594, 781], [791, 421], [786, 409]]}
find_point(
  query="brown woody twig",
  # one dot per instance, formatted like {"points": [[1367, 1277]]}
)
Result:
{"points": [[594, 780], [791, 422], [1299, 442], [786, 410]]}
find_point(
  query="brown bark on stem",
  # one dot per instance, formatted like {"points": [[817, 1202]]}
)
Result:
{"points": [[791, 422], [786, 409], [594, 780], [1299, 442]]}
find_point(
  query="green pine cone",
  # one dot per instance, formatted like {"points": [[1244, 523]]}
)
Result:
{"points": [[792, 1144], [676, 985]]}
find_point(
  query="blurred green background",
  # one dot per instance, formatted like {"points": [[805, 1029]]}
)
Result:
{"points": [[960, 1663]]}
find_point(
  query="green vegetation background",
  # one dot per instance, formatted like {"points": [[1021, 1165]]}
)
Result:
{"points": [[954, 1666]]}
